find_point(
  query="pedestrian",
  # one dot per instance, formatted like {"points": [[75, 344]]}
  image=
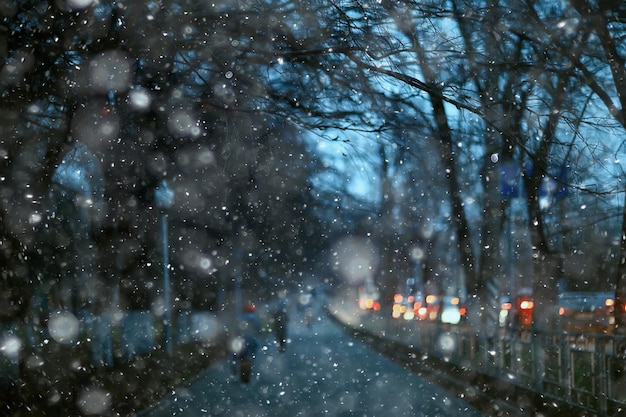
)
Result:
{"points": [[280, 325], [247, 344]]}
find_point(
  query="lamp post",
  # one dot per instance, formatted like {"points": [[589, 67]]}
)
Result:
{"points": [[238, 273], [164, 198]]}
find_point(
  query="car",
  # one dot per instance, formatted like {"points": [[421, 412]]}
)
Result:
{"points": [[516, 312], [586, 312], [432, 307], [368, 297], [408, 301], [524, 307], [405, 306], [505, 314], [452, 310]]}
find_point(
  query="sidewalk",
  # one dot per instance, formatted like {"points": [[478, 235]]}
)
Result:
{"points": [[323, 372], [57, 383]]}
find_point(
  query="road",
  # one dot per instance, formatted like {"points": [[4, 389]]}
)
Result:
{"points": [[323, 372]]}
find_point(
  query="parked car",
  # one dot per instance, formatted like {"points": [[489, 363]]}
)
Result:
{"points": [[586, 312], [517, 312], [524, 307]]}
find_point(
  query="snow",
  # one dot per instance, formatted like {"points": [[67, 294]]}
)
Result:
{"points": [[63, 327]]}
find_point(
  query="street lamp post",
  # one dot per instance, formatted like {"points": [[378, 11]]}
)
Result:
{"points": [[164, 198]]}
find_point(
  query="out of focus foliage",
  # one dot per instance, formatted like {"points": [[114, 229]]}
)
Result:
{"points": [[141, 92]]}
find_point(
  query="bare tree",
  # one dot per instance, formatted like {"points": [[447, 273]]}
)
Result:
{"points": [[606, 20]]}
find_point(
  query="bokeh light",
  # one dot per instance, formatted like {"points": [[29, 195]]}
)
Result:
{"points": [[63, 327]]}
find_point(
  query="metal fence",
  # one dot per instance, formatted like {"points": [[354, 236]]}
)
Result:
{"points": [[584, 370]]}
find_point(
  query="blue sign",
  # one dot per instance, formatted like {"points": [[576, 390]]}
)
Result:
{"points": [[510, 179], [553, 185]]}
